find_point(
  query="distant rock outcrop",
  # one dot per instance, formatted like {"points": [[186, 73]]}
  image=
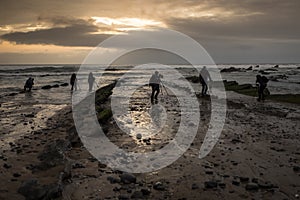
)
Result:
{"points": [[231, 69]]}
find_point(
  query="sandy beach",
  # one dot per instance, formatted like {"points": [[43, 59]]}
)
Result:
{"points": [[256, 157]]}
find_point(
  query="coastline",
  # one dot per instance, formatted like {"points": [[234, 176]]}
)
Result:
{"points": [[256, 157]]}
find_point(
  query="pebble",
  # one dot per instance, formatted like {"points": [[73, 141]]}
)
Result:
{"points": [[210, 184], [113, 180], [6, 166], [244, 179], [146, 191], [296, 169], [137, 195], [252, 186], [234, 182], [195, 186], [123, 197], [139, 136], [127, 178], [159, 186], [16, 175]]}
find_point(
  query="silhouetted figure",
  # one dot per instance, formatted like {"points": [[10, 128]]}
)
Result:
{"points": [[29, 84], [91, 81], [73, 82], [261, 82], [204, 78], [154, 82]]}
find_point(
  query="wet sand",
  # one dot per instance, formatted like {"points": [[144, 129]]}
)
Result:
{"points": [[256, 157]]}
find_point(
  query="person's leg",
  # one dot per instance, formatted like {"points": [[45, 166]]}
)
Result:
{"points": [[262, 93], [259, 93], [157, 92], [72, 86], [75, 84], [152, 94], [90, 87], [202, 92], [205, 89]]}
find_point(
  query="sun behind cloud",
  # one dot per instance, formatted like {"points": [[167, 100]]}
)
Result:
{"points": [[127, 24]]}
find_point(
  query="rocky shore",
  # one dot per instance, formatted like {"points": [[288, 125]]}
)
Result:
{"points": [[256, 157]]}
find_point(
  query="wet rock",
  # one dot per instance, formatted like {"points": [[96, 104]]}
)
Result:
{"points": [[123, 197], [113, 180], [276, 77], [29, 115], [73, 137], [6, 166], [64, 84], [231, 69], [235, 182], [244, 179], [137, 195], [32, 190], [266, 185], [209, 172], [100, 165], [127, 178], [195, 186], [271, 70], [263, 72], [252, 186], [16, 175], [296, 169], [139, 136], [249, 68], [55, 86], [77, 166], [222, 185], [159, 186], [210, 184], [236, 140], [12, 94], [52, 155], [46, 87], [146, 191]]}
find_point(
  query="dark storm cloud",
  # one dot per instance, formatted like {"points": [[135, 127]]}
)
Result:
{"points": [[76, 32]]}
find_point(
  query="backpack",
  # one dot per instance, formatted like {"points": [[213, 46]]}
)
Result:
{"points": [[265, 79]]}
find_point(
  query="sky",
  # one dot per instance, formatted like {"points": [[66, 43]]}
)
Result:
{"points": [[231, 31]]}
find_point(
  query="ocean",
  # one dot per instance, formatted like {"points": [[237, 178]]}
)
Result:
{"points": [[13, 77]]}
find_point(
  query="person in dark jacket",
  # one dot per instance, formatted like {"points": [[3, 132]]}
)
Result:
{"points": [[91, 81], [204, 78], [154, 82], [29, 84], [73, 82], [261, 82]]}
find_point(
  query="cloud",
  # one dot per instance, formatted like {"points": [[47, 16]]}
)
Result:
{"points": [[71, 32]]}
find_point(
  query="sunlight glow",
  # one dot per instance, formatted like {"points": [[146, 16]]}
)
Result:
{"points": [[9, 47], [127, 24], [24, 27]]}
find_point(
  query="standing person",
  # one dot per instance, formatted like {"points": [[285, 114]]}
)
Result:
{"points": [[204, 78], [261, 82], [73, 82], [29, 84], [154, 82], [91, 81]]}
